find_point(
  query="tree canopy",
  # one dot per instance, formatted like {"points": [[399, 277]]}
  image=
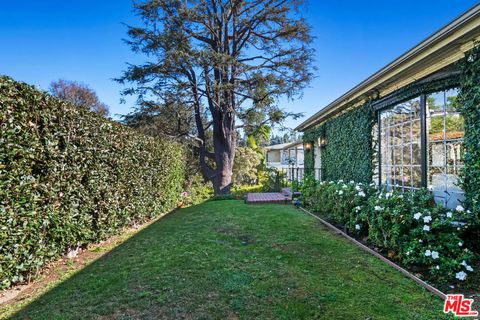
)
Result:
{"points": [[80, 95], [223, 59]]}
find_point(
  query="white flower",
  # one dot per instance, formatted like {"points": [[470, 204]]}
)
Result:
{"points": [[427, 219], [358, 188], [435, 255], [417, 215], [340, 192], [469, 268], [357, 227], [449, 214], [352, 182], [428, 253], [408, 253], [437, 267], [461, 275], [459, 208], [460, 244], [464, 263], [426, 228], [362, 194], [358, 208], [378, 208], [388, 195], [421, 241]]}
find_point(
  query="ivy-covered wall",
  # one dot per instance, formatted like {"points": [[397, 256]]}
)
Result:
{"points": [[350, 148], [469, 101], [349, 151]]}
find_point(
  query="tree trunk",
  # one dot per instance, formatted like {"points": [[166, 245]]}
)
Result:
{"points": [[224, 141]]}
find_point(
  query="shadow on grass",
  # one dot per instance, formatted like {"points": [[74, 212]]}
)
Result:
{"points": [[229, 260], [111, 284]]}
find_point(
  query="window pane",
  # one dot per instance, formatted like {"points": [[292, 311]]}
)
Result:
{"points": [[417, 176], [399, 143], [416, 154], [445, 155]]}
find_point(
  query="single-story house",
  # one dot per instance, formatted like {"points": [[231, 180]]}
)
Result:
{"points": [[407, 125], [286, 157]]}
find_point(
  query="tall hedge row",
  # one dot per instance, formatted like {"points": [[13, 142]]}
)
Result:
{"points": [[69, 177]]}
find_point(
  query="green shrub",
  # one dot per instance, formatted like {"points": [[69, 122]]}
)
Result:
{"points": [[273, 180], [409, 227], [69, 177], [339, 202], [239, 192], [196, 191], [245, 167]]}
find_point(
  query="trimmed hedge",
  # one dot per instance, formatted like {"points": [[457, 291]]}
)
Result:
{"points": [[69, 177]]}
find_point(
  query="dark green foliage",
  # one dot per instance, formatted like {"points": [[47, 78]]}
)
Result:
{"points": [[402, 225], [69, 177], [469, 102], [349, 151]]}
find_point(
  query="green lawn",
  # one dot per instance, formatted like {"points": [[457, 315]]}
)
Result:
{"points": [[225, 259]]}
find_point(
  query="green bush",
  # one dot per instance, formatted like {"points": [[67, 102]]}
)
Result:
{"points": [[69, 177], [273, 180], [245, 167], [196, 191], [409, 227], [239, 192]]}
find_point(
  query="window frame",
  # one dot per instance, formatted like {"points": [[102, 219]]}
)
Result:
{"points": [[423, 135]]}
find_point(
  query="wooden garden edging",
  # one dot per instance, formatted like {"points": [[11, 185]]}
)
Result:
{"points": [[434, 290]]}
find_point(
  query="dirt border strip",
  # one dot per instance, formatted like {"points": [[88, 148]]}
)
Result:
{"points": [[433, 290]]}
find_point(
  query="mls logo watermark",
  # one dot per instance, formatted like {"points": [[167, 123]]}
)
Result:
{"points": [[459, 306]]}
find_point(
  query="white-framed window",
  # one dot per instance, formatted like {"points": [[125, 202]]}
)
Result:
{"points": [[421, 146]]}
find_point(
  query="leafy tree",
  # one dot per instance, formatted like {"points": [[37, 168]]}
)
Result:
{"points": [[79, 94], [245, 168], [214, 54], [289, 136], [170, 119]]}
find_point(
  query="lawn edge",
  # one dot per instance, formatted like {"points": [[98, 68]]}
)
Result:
{"points": [[8, 308], [419, 281]]}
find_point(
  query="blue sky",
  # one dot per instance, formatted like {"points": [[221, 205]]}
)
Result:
{"points": [[46, 40]]}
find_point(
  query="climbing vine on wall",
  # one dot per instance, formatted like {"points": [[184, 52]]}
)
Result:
{"points": [[348, 154], [469, 101]]}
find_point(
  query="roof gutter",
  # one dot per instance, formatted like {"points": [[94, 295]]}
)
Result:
{"points": [[393, 68]]}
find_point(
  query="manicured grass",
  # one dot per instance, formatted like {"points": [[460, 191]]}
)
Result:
{"points": [[225, 259]]}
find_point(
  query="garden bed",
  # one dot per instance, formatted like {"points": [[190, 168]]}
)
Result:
{"points": [[434, 243]]}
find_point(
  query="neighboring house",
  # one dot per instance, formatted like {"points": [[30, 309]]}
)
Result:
{"points": [[400, 128], [286, 157]]}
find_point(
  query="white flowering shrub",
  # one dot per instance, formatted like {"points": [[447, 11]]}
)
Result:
{"points": [[409, 227], [419, 233], [340, 202]]}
